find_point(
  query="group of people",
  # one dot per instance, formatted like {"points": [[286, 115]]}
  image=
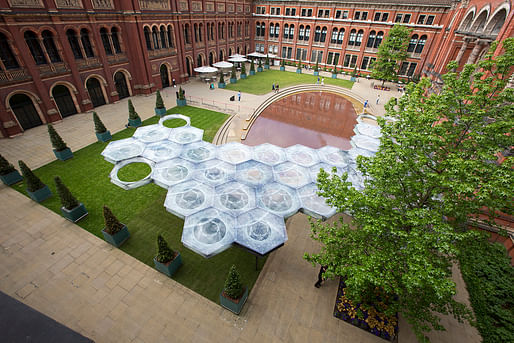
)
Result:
{"points": [[366, 102], [322, 81], [275, 87]]}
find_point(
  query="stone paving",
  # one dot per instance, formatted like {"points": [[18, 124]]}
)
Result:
{"points": [[82, 282]]}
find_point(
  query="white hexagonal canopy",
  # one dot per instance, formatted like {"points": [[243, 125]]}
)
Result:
{"points": [[291, 174], [152, 133], [234, 198], [366, 129], [123, 149], [334, 156], [172, 172], [234, 153], [278, 199], [314, 205], [314, 170], [131, 184], [365, 142], [188, 197], [198, 152], [302, 155], [269, 154], [162, 151], [254, 173], [214, 172], [186, 135]]}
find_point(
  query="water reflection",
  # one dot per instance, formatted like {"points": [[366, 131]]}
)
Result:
{"points": [[314, 119]]}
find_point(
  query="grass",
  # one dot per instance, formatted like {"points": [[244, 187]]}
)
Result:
{"points": [[142, 209], [134, 171], [260, 83]]}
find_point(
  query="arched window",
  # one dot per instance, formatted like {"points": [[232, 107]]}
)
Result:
{"points": [[301, 32], [371, 39], [258, 29], [200, 30], [35, 48], [496, 23], [323, 34], [263, 30], [187, 34], [277, 30], [195, 29], [86, 43], [223, 31], [291, 32], [412, 44], [378, 41], [115, 40], [208, 31], [6, 53], [340, 37], [171, 40], [199, 62], [358, 40], [104, 35], [219, 30], [307, 33], [421, 44], [163, 37], [148, 40], [239, 26], [317, 34], [333, 39], [221, 55], [155, 38], [247, 28], [353, 35], [271, 30], [74, 44], [51, 49], [286, 31]]}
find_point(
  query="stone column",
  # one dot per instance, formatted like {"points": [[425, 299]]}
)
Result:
{"points": [[462, 50], [474, 53]]}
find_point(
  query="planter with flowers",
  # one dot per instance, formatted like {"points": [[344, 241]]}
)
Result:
{"points": [[167, 261]]}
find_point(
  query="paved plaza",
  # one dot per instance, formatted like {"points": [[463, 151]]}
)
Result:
{"points": [[106, 295]]}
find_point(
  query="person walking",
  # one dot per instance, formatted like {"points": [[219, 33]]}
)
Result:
{"points": [[320, 276], [276, 88], [378, 98], [322, 81], [365, 103], [239, 96], [174, 83], [273, 87], [317, 82]]}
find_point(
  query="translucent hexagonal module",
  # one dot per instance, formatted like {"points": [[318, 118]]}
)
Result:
{"points": [[214, 172], [254, 173], [175, 116], [334, 156], [123, 149], [186, 135], [162, 151], [269, 154], [188, 197], [172, 172], [314, 170], [354, 152], [260, 231], [198, 152], [234, 198], [131, 184], [365, 142], [314, 205], [209, 232], [278, 199], [291, 174], [356, 178], [302, 155], [365, 129], [152, 133], [235, 153]]}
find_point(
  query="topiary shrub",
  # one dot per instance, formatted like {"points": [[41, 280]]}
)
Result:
{"points": [[252, 66], [243, 68], [112, 224], [164, 253], [32, 181], [233, 74], [316, 67], [158, 100], [335, 69], [222, 79], [283, 63], [181, 94], [5, 166], [68, 201], [260, 63], [233, 286], [57, 142], [99, 126], [132, 111], [267, 60]]}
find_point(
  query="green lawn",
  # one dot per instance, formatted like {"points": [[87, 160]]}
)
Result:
{"points": [[142, 209], [260, 83]]}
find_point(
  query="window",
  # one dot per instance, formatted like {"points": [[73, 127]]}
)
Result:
{"points": [[278, 10], [171, 40], [277, 30], [271, 30], [407, 69], [263, 29], [358, 40], [74, 44], [288, 11], [316, 56], [200, 31], [333, 39], [155, 38], [338, 14], [385, 16], [430, 20], [116, 40], [301, 32], [284, 52], [6, 54], [327, 13], [371, 39], [289, 52], [291, 32], [86, 43], [51, 49], [317, 34], [340, 37], [333, 58], [323, 34], [187, 37], [257, 29], [304, 12], [307, 32], [162, 35], [377, 16], [350, 61], [353, 35], [309, 12], [301, 54], [421, 19], [367, 63], [398, 18], [406, 18], [272, 11], [320, 13], [357, 15], [364, 15], [239, 29], [293, 11], [345, 14], [286, 31], [104, 35], [421, 44], [412, 44], [380, 36]]}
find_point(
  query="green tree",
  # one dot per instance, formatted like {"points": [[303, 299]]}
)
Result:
{"points": [[99, 126], [5, 166], [132, 111], [112, 224], [233, 74], [181, 94], [283, 63], [233, 286], [391, 53], [260, 63], [316, 66], [32, 181], [243, 68], [158, 100], [164, 253], [252, 66], [222, 79], [267, 60], [57, 142], [68, 201], [435, 170]]}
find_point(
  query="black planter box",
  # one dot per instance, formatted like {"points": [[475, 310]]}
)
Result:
{"points": [[169, 268], [41, 194], [135, 122], [103, 136], [118, 238], [11, 178], [75, 214], [63, 155], [232, 305]]}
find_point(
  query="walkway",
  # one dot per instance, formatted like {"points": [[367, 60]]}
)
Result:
{"points": [[82, 282]]}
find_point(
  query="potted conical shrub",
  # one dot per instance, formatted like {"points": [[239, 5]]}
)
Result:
{"points": [[283, 65], [299, 67], [61, 151], [102, 134], [8, 174], [266, 63], [181, 97], [222, 84], [259, 67], [233, 75], [160, 109], [114, 231], [234, 294], [134, 119], [36, 189], [334, 72], [71, 209], [316, 69], [167, 261], [354, 74], [252, 68], [243, 70]]}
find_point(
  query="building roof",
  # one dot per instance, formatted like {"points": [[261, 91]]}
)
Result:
{"points": [[445, 3]]}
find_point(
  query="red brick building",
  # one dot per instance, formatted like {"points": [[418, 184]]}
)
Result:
{"points": [[61, 57]]}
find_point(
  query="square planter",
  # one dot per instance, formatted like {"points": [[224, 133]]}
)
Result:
{"points": [[103, 136], [334, 76], [75, 214], [134, 122], [298, 70], [316, 73], [252, 72], [234, 306], [242, 76], [63, 155], [118, 238], [266, 66], [352, 78], [221, 85], [160, 111], [233, 80], [11, 178], [282, 68], [259, 69], [181, 102], [41, 194], [169, 268]]}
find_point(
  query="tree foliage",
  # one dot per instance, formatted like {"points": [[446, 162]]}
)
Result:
{"points": [[181, 94], [233, 75], [243, 68], [99, 126], [33, 182], [164, 253], [252, 66], [159, 103], [68, 201], [316, 66], [436, 168], [222, 79], [57, 142], [283, 64], [5, 166], [260, 63], [391, 52], [112, 224], [132, 111], [233, 286], [267, 60]]}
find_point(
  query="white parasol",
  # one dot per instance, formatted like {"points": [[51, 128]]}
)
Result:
{"points": [[238, 59], [256, 54], [223, 64], [236, 56], [205, 69]]}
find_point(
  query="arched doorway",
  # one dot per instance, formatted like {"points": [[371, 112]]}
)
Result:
{"points": [[188, 66], [199, 60], [95, 92], [64, 100], [211, 58], [121, 85], [221, 55], [24, 110], [165, 79], [229, 52]]}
